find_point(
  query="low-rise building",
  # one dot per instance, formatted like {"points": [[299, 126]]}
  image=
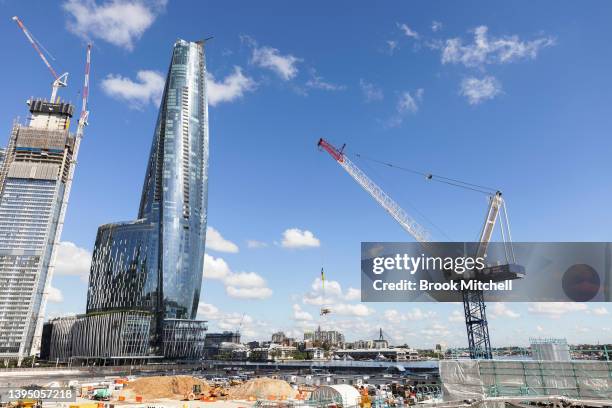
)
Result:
{"points": [[220, 345], [315, 353], [274, 352], [331, 338], [393, 354]]}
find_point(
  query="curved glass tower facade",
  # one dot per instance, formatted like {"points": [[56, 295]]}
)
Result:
{"points": [[175, 193], [145, 277]]}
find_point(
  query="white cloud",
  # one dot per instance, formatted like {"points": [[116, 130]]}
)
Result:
{"points": [[391, 46], [554, 310], [435, 331], [72, 260], [226, 320], [418, 314], [485, 50], [408, 32], [407, 103], [317, 82], [232, 87], [347, 309], [436, 26], [119, 22], [297, 238], [599, 311], [352, 294], [392, 315], [147, 88], [284, 66], [499, 309], [215, 268], [480, 90], [319, 296], [330, 288], [371, 92], [54, 295], [215, 241], [456, 316], [245, 280], [301, 315], [395, 316], [336, 299], [259, 293], [241, 285], [208, 311], [253, 243]]}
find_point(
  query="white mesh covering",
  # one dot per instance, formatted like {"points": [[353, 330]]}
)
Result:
{"points": [[477, 379], [345, 394]]}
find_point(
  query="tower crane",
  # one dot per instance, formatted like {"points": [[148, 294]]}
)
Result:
{"points": [[473, 300], [59, 81], [78, 137]]}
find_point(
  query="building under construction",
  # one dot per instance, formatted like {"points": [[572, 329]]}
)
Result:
{"points": [[35, 178]]}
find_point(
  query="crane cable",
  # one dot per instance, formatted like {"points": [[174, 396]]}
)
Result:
{"points": [[371, 170], [434, 177]]}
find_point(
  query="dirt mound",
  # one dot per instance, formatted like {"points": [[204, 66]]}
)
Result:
{"points": [[262, 388], [175, 387]]}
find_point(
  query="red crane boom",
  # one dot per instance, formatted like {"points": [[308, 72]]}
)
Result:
{"points": [[58, 80]]}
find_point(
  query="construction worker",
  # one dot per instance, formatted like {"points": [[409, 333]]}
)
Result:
{"points": [[365, 398]]}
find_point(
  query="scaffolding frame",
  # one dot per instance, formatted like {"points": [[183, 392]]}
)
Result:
{"points": [[514, 378]]}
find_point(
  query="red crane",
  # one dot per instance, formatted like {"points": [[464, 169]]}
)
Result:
{"points": [[473, 301], [59, 81]]}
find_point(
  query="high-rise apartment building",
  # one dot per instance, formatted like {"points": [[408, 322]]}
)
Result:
{"points": [[34, 174], [146, 274]]}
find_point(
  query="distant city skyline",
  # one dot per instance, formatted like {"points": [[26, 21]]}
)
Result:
{"points": [[487, 93]]}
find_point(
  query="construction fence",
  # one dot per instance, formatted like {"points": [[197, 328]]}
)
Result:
{"points": [[479, 379]]}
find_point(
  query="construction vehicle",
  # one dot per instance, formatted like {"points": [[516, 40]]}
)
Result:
{"points": [[473, 302], [26, 403], [196, 393], [101, 394]]}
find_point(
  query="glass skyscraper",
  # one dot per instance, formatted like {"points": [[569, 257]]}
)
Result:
{"points": [[35, 169], [146, 274]]}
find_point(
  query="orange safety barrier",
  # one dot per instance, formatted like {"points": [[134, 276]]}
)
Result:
{"points": [[122, 398], [139, 398]]}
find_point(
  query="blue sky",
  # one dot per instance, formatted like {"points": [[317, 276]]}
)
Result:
{"points": [[515, 96]]}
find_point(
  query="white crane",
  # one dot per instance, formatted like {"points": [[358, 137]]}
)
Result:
{"points": [[473, 302]]}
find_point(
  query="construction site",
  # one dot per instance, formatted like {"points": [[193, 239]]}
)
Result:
{"points": [[374, 375]]}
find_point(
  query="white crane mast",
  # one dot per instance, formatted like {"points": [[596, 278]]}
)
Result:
{"points": [[419, 233], [67, 187]]}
